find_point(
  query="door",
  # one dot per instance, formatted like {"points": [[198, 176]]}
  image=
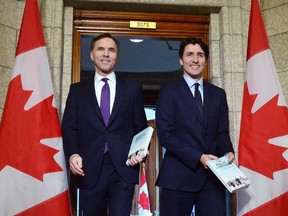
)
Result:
{"points": [[166, 31]]}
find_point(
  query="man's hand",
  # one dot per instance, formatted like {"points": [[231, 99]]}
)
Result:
{"points": [[206, 157], [75, 163], [231, 157], [135, 159]]}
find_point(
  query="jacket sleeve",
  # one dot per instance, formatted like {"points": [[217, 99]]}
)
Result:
{"points": [[69, 125]]}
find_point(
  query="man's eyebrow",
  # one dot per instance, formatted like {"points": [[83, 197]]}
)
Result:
{"points": [[109, 48], [191, 52]]}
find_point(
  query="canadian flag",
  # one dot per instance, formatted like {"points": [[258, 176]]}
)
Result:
{"points": [[143, 201], [33, 178], [263, 138]]}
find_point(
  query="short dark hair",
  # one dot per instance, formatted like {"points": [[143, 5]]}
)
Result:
{"points": [[193, 41], [104, 35]]}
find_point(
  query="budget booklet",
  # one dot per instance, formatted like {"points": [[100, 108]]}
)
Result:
{"points": [[140, 143], [229, 174]]}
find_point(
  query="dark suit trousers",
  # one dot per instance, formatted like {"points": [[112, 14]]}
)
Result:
{"points": [[111, 192], [210, 201]]}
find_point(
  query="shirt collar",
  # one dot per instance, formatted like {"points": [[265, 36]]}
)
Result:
{"points": [[111, 77], [190, 81]]}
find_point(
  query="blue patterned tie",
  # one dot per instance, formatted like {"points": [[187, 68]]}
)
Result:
{"points": [[198, 99], [105, 105]]}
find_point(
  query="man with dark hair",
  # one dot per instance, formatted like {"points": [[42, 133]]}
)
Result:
{"points": [[101, 117], [192, 125]]}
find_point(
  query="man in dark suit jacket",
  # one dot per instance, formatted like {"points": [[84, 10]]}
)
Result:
{"points": [[104, 179], [192, 135]]}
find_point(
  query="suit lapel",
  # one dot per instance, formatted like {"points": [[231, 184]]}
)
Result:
{"points": [[119, 96], [208, 94], [92, 98]]}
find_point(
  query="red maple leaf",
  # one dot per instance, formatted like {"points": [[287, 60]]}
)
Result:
{"points": [[144, 201], [21, 133], [270, 121]]}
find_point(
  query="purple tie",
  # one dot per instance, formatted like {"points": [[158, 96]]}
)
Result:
{"points": [[105, 105]]}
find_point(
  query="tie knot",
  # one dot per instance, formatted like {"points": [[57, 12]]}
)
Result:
{"points": [[197, 85], [105, 80]]}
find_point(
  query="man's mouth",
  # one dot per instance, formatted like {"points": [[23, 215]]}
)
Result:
{"points": [[195, 66], [105, 61]]}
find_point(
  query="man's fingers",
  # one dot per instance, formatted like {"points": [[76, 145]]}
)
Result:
{"points": [[135, 160], [76, 166]]}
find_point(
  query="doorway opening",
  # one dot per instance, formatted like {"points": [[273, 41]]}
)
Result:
{"points": [[152, 62]]}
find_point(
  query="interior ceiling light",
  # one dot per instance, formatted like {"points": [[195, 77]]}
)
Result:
{"points": [[136, 40]]}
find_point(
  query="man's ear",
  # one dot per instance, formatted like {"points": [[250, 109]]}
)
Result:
{"points": [[92, 56], [181, 62]]}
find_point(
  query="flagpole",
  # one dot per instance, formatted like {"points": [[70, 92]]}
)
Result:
{"points": [[77, 203]]}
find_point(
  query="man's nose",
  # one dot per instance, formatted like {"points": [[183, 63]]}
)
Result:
{"points": [[195, 58], [106, 52]]}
